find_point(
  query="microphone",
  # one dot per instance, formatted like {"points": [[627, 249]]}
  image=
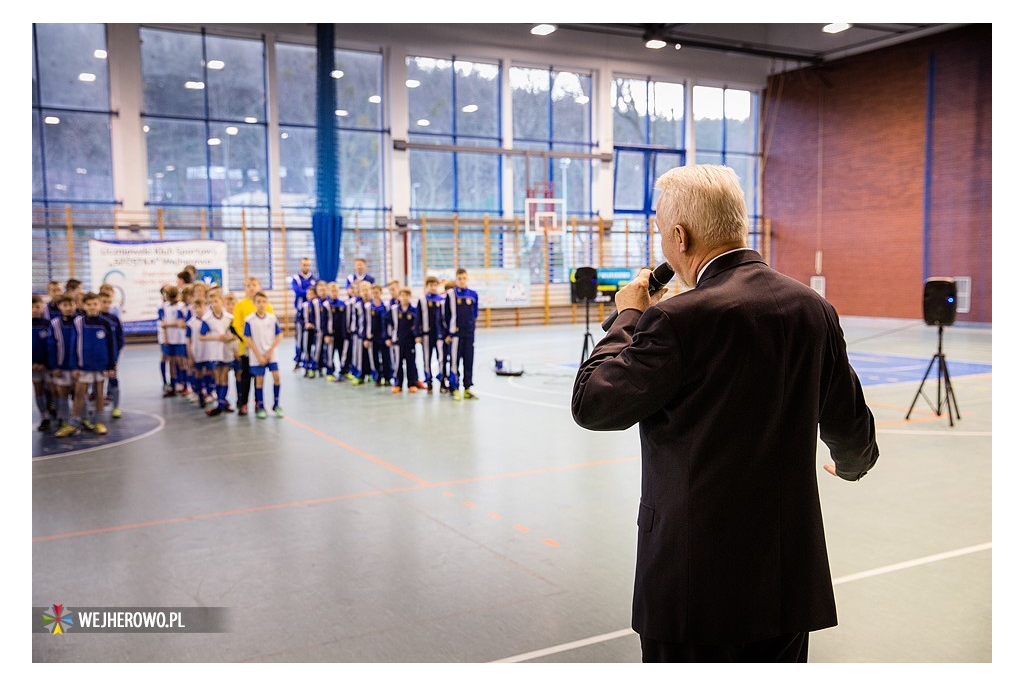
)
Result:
{"points": [[658, 280]]}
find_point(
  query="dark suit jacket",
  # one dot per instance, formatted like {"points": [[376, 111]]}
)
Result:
{"points": [[730, 382]]}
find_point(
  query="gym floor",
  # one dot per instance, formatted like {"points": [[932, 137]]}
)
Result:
{"points": [[369, 527]]}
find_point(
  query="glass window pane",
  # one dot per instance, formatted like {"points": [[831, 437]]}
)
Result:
{"points": [[741, 121], [73, 66], [298, 167], [573, 179], [539, 171], [707, 117], [476, 95], [359, 166], [359, 89], [177, 164], [172, 73], [433, 183], [479, 187], [667, 114], [746, 168], [77, 154], [430, 95], [630, 171], [296, 84], [235, 79], [709, 158], [37, 158], [570, 102], [629, 109], [238, 166], [530, 102]]}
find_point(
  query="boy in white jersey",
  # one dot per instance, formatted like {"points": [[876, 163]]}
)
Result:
{"points": [[215, 333], [172, 318], [197, 353], [262, 336]]}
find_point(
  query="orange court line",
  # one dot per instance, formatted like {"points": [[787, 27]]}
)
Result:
{"points": [[522, 528], [355, 450], [549, 541], [321, 500], [216, 514]]}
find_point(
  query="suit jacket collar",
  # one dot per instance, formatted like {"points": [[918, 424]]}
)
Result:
{"points": [[728, 261]]}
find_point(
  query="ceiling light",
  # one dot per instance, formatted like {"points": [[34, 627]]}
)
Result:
{"points": [[469, 109], [215, 64], [250, 120], [423, 122], [678, 46], [835, 28], [412, 83], [375, 99], [145, 129], [81, 170], [99, 54], [231, 130], [195, 85], [582, 100], [284, 136], [51, 120], [337, 73], [169, 167], [88, 78], [341, 112], [543, 29], [655, 44], [213, 141]]}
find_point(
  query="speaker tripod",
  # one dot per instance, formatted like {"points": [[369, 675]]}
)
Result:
{"points": [[588, 339], [944, 384]]}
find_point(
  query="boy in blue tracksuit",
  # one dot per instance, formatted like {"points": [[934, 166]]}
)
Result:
{"points": [[462, 307], [378, 335], [404, 336], [61, 348], [319, 327], [301, 283], [340, 341], [41, 360], [96, 357], [433, 332], [106, 304], [357, 326]]}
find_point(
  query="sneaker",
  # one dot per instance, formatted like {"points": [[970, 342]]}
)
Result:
{"points": [[115, 413], [169, 393], [350, 377], [331, 377], [413, 388], [421, 385], [278, 412], [456, 395], [44, 425], [298, 365], [66, 431], [229, 409], [396, 390], [243, 410], [261, 413], [467, 395], [88, 425], [215, 411], [356, 381], [101, 429]]}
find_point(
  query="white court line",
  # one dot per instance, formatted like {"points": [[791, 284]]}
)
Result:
{"points": [[964, 434], [159, 427], [565, 647], [529, 389]]}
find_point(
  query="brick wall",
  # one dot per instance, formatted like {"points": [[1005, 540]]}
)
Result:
{"points": [[855, 133]]}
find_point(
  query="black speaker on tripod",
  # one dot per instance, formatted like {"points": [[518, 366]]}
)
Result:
{"points": [[939, 305], [585, 288]]}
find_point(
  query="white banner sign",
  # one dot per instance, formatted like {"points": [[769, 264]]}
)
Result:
{"points": [[137, 271], [497, 288]]}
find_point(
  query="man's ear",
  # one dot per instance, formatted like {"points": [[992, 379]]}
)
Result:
{"points": [[681, 237]]}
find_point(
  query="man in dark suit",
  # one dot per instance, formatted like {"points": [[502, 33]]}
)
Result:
{"points": [[730, 382]]}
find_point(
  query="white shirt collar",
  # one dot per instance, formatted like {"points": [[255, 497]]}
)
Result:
{"points": [[701, 272]]}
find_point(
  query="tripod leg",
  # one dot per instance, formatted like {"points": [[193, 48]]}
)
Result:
{"points": [[950, 397], [918, 393]]}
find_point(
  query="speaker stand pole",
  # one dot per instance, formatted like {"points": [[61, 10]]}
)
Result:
{"points": [[588, 339], [944, 383]]}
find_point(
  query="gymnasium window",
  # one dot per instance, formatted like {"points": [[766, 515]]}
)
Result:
{"points": [[71, 154], [454, 102], [204, 119]]}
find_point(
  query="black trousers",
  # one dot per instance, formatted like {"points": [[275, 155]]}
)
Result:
{"points": [[247, 381], [787, 648]]}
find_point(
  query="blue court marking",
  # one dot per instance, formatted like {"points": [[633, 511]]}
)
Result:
{"points": [[879, 369], [132, 426]]}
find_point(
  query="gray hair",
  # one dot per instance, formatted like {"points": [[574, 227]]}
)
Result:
{"points": [[707, 199]]}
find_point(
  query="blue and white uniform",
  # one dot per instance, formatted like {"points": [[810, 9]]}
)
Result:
{"points": [[405, 330], [381, 357], [217, 353], [461, 309], [300, 284], [95, 348], [434, 330], [262, 331], [316, 313]]}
